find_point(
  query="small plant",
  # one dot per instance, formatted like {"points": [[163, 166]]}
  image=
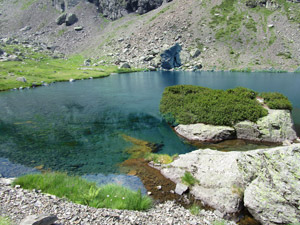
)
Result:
{"points": [[237, 190], [195, 209], [84, 192], [219, 222], [160, 158], [189, 179], [4, 221]]}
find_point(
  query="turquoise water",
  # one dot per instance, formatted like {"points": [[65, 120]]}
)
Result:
{"points": [[77, 127]]}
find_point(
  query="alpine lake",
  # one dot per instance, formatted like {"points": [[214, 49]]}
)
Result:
{"points": [[89, 127]]}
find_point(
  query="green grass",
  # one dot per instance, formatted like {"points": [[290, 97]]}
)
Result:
{"points": [[160, 13], [188, 104], [4, 221], [84, 192], [276, 100], [27, 4], [195, 209], [188, 179], [38, 67], [219, 222]]}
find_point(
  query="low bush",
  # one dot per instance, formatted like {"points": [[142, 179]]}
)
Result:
{"points": [[188, 179], [195, 209], [188, 104], [84, 192], [276, 100]]}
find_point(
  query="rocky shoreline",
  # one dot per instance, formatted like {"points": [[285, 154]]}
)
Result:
{"points": [[265, 181], [17, 203]]}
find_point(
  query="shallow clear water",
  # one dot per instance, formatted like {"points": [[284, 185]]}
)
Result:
{"points": [[77, 127]]}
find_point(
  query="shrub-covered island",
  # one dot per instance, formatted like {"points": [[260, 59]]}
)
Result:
{"points": [[188, 104]]}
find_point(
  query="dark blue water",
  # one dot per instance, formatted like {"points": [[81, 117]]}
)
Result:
{"points": [[77, 127]]}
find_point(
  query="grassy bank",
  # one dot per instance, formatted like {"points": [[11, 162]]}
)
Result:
{"points": [[39, 67], [187, 104], [84, 192]]}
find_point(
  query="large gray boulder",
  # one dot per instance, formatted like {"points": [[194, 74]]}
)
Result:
{"points": [[71, 19], [170, 58], [277, 126], [272, 194], [202, 132], [43, 219], [267, 180], [61, 19]]}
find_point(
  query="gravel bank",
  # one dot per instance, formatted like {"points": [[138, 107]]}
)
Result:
{"points": [[17, 203]]}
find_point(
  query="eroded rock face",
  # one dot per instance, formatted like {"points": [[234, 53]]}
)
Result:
{"points": [[267, 180], [114, 9], [277, 126], [203, 132]]}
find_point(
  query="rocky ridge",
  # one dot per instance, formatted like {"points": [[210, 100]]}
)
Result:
{"points": [[276, 127], [18, 203], [265, 181]]}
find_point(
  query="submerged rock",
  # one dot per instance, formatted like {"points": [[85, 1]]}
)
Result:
{"points": [[267, 180], [203, 132]]}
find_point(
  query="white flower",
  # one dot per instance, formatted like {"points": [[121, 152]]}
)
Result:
{"points": [[115, 196], [107, 196], [123, 198]]}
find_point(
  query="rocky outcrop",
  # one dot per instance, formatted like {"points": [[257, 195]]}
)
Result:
{"points": [[277, 126], [267, 180], [203, 132], [115, 9], [43, 219], [170, 58]]}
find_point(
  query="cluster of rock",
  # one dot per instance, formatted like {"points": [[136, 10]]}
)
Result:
{"points": [[113, 9], [29, 46], [68, 19], [265, 181], [17, 204], [276, 127]]}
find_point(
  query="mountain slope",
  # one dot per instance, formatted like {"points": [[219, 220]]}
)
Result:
{"points": [[231, 34]]}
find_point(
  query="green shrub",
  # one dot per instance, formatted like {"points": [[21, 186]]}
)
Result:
{"points": [[4, 220], [276, 100], [188, 104], [188, 179], [219, 222], [84, 192]]}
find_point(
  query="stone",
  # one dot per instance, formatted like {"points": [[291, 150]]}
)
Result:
{"points": [[185, 57], [1, 52], [61, 19], [273, 176], [43, 219], [71, 80], [203, 132], [266, 180], [71, 19], [195, 53], [87, 62], [181, 188], [170, 58], [79, 28], [277, 126], [125, 65], [26, 28], [21, 79]]}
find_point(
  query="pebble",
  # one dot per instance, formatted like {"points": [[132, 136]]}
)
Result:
{"points": [[17, 203]]}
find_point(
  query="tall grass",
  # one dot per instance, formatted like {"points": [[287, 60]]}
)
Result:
{"points": [[188, 179], [84, 192]]}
